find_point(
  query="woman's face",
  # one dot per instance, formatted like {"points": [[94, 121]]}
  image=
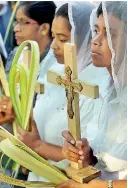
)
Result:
{"points": [[25, 28], [100, 52], [61, 34]]}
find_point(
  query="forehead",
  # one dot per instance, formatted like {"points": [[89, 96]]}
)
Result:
{"points": [[114, 23], [20, 14], [60, 25], [100, 21]]}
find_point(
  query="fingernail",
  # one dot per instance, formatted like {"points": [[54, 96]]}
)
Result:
{"points": [[81, 153], [4, 106], [82, 157], [79, 161], [79, 142], [72, 142]]}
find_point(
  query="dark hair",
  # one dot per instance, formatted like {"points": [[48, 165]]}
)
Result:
{"points": [[99, 10], [40, 11], [63, 12]]}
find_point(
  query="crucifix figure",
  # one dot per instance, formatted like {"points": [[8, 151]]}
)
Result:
{"points": [[73, 88]]}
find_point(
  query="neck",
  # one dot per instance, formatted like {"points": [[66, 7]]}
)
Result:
{"points": [[43, 43]]}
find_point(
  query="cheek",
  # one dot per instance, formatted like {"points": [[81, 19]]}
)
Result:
{"points": [[31, 34], [107, 54], [61, 47]]}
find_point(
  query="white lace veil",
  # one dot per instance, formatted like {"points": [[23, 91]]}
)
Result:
{"points": [[112, 134], [79, 16]]}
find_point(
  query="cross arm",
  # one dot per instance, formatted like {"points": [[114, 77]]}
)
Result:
{"points": [[52, 77], [89, 90]]}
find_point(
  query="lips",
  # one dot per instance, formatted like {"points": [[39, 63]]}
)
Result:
{"points": [[56, 55], [17, 37], [95, 53]]}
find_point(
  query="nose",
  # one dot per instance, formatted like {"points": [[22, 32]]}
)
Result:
{"points": [[54, 45], [97, 40], [17, 28]]}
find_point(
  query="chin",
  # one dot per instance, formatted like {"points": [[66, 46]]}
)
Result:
{"points": [[60, 61], [19, 42], [97, 63]]}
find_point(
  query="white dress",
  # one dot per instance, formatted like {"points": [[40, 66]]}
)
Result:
{"points": [[110, 149], [50, 111]]}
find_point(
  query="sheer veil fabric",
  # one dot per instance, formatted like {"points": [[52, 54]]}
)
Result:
{"points": [[111, 140]]}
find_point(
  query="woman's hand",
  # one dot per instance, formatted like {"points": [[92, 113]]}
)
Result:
{"points": [[30, 139], [79, 151], [7, 114]]}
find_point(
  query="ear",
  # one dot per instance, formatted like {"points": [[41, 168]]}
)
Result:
{"points": [[45, 29]]}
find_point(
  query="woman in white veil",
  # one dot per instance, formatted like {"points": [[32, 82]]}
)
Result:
{"points": [[110, 144], [56, 121]]}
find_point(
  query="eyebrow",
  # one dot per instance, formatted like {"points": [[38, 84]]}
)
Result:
{"points": [[60, 34], [98, 26]]}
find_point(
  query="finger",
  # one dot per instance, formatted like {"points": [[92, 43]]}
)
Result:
{"points": [[5, 98], [3, 107], [80, 161], [5, 119], [33, 126], [20, 137], [10, 108], [74, 155], [73, 159], [71, 148], [68, 137], [21, 131], [84, 142]]}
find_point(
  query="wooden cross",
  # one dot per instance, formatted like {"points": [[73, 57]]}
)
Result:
{"points": [[73, 88]]}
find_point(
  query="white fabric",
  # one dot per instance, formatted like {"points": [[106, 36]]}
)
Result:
{"points": [[110, 143], [94, 118], [50, 102], [55, 120], [47, 105], [4, 8], [79, 15]]}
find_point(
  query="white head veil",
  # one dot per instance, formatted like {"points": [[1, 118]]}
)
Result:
{"points": [[112, 135], [79, 15]]}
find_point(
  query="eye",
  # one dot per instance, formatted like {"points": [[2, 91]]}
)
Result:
{"points": [[95, 31], [63, 41], [53, 37]]}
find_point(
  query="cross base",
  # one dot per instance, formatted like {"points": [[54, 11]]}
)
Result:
{"points": [[83, 175]]}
